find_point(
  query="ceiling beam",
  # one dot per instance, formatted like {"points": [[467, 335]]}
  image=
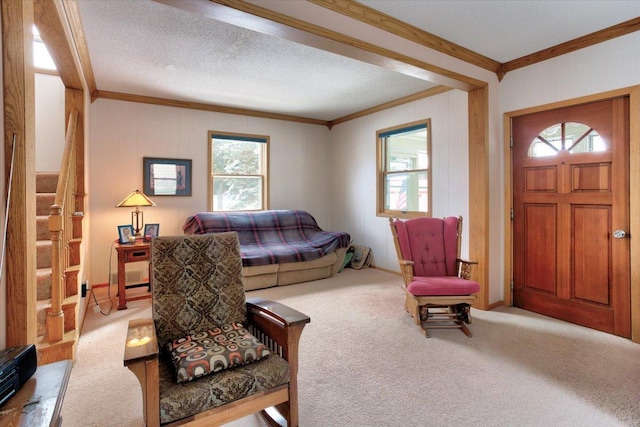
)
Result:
{"points": [[75, 24], [51, 29], [392, 25], [256, 18], [609, 33]]}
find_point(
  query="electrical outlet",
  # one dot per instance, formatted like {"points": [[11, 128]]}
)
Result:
{"points": [[84, 289]]}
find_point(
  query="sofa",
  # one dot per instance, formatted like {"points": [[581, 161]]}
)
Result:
{"points": [[278, 247]]}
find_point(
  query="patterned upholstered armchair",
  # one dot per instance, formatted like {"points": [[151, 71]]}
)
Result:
{"points": [[208, 356], [437, 284]]}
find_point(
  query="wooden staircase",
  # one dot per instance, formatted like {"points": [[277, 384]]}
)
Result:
{"points": [[49, 352]]}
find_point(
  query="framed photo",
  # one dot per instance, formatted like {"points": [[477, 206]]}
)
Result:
{"points": [[125, 232], [166, 177], [151, 230]]}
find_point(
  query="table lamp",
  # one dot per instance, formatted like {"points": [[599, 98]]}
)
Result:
{"points": [[137, 199]]}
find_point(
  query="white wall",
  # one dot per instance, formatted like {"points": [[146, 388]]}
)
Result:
{"points": [[122, 133], [50, 122], [354, 170], [606, 66]]}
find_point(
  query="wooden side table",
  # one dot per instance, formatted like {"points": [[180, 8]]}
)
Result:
{"points": [[131, 252], [39, 401]]}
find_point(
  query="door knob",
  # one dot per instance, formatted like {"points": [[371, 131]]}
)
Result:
{"points": [[619, 234]]}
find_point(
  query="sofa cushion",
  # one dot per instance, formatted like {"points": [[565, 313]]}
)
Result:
{"points": [[200, 354]]}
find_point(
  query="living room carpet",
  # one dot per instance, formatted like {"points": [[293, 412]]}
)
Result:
{"points": [[364, 363]]}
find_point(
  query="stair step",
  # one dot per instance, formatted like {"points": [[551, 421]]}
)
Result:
{"points": [[43, 254], [53, 352], [44, 202], [46, 182], [71, 280], [68, 308], [42, 227], [41, 316], [43, 281]]}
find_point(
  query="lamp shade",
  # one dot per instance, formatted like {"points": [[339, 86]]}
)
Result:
{"points": [[137, 198]]}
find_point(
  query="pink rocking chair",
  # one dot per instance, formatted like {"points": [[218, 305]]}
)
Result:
{"points": [[439, 292]]}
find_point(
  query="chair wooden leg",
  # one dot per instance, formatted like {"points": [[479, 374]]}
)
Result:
{"points": [[412, 306], [465, 330]]}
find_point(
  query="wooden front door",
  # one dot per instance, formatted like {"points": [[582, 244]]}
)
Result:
{"points": [[571, 214]]}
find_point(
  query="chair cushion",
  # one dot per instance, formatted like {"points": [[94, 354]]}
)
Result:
{"points": [[197, 284], [442, 285], [181, 400], [211, 351], [431, 243]]}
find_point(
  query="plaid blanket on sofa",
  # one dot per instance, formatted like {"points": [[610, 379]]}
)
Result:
{"points": [[271, 237]]}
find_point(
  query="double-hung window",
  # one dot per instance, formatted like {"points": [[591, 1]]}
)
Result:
{"points": [[404, 173], [238, 172]]}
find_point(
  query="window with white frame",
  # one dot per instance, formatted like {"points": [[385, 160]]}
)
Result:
{"points": [[238, 172], [404, 173]]}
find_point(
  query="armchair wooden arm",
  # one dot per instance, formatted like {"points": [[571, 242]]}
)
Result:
{"points": [[141, 357], [276, 325], [465, 268], [406, 269], [279, 327]]}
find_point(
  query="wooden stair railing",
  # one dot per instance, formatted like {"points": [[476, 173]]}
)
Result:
{"points": [[61, 229]]}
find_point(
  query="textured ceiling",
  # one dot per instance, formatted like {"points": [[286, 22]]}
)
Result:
{"points": [[504, 30], [145, 48]]}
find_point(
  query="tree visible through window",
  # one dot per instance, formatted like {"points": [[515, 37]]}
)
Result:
{"points": [[238, 165], [404, 175]]}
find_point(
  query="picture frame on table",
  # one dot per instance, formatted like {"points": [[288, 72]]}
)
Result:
{"points": [[151, 230], [125, 233], [166, 177]]}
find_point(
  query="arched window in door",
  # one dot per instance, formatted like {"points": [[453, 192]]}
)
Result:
{"points": [[567, 136]]}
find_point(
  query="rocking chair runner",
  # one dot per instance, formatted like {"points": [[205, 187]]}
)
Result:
{"points": [[437, 284], [198, 291]]}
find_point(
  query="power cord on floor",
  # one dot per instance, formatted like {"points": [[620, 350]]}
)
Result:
{"points": [[97, 308]]}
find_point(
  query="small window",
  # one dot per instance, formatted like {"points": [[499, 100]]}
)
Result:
{"points": [[238, 165], [567, 137], [404, 174], [41, 57]]}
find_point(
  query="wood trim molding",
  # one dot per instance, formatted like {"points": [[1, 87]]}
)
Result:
{"points": [[46, 71], [619, 30], [253, 113], [52, 32], [256, 18], [479, 191], [205, 107], [404, 100], [19, 119], [508, 205], [75, 24], [392, 25]]}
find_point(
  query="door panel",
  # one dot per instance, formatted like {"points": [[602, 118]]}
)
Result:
{"points": [[540, 246], [570, 192], [591, 254]]}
